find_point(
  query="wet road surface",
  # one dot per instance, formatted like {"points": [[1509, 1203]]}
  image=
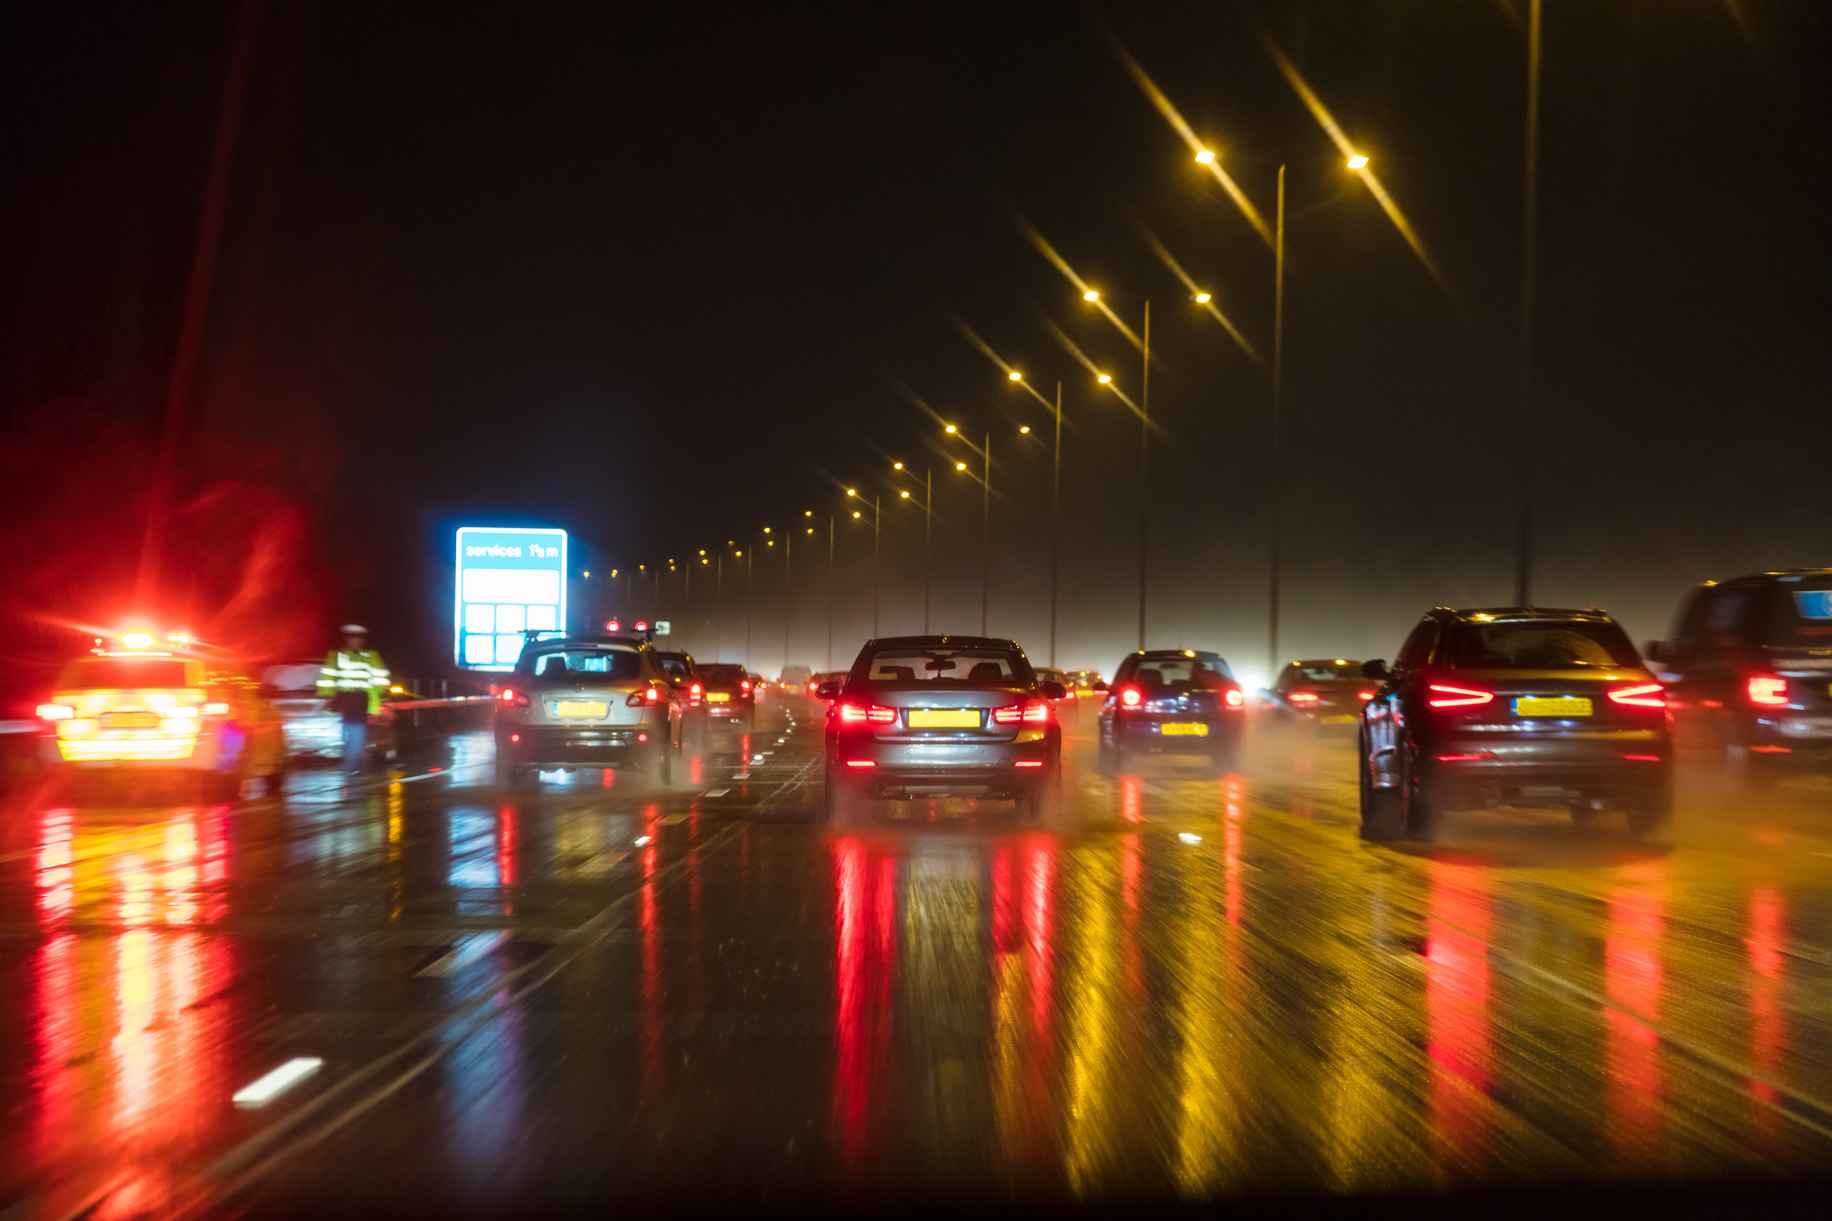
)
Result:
{"points": [[1184, 984]]}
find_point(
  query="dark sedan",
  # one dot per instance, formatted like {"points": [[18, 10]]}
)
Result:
{"points": [[1519, 707], [1320, 694], [1179, 701], [922, 716], [730, 694]]}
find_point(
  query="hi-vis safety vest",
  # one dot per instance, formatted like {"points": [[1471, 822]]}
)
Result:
{"points": [[359, 670]]}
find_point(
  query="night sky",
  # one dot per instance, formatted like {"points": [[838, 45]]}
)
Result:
{"points": [[660, 275]]}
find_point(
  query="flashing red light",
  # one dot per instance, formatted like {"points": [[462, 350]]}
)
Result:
{"points": [[1642, 695], [1443, 695], [1303, 697], [1478, 756], [613, 625], [860, 763], [641, 625], [1767, 690], [1233, 698], [1037, 712], [1131, 697], [513, 698], [515, 737], [861, 714]]}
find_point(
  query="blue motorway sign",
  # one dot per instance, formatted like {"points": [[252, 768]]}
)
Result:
{"points": [[510, 581]]}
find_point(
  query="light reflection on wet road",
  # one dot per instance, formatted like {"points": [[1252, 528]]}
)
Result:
{"points": [[1186, 985]]}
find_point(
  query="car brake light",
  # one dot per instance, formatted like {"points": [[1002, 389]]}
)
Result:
{"points": [[1767, 690], [1303, 697], [512, 697], [1037, 712], [694, 688], [55, 712], [860, 714], [1028, 763], [1233, 698], [1478, 756], [860, 763], [1642, 758], [1131, 697], [648, 695], [1443, 695], [745, 686], [1642, 695], [1364, 696], [216, 708]]}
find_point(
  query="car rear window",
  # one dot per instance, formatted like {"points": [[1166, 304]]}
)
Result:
{"points": [[1176, 673], [945, 667], [615, 665], [1803, 612], [1331, 673], [93, 674], [1538, 645], [723, 675]]}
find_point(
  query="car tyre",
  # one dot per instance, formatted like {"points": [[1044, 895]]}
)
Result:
{"points": [[1422, 802], [1383, 816], [1043, 800], [839, 803], [1650, 812]]}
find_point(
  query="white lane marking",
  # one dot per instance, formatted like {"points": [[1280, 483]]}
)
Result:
{"points": [[674, 820], [717, 792], [1189, 837], [642, 841], [269, 1086], [463, 954]]}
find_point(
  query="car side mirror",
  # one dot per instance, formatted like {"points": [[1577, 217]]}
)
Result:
{"points": [[1376, 670], [1100, 686], [827, 691], [1052, 690], [1658, 650]]}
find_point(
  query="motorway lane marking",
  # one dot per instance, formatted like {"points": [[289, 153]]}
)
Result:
{"points": [[461, 955], [247, 1163], [717, 792]]}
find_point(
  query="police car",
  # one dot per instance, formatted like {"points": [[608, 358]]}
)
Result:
{"points": [[141, 701]]}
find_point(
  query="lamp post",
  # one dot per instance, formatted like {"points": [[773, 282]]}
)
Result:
{"points": [[1092, 297], [1017, 378], [928, 522], [877, 520]]}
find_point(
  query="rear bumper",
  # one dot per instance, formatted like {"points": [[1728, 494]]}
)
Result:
{"points": [[1792, 741], [213, 751], [579, 746], [991, 769], [1140, 733], [1625, 763]]}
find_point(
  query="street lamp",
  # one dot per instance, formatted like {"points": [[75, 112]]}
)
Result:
{"points": [[1358, 161], [1203, 296], [1205, 156], [1055, 493], [1093, 298]]}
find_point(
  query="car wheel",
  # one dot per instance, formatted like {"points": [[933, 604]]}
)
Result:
{"points": [[838, 803], [1651, 811], [1383, 817], [664, 766], [1421, 800], [1044, 797]]}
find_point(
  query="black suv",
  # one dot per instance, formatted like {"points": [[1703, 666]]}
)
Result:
{"points": [[1750, 671], [1517, 706]]}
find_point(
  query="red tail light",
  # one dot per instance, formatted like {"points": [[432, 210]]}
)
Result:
{"points": [[1642, 695], [867, 714], [1443, 695], [694, 689], [1477, 756], [648, 695], [1131, 697], [1303, 697], [512, 697], [1767, 690], [1232, 698], [745, 686], [1364, 696], [1037, 712]]}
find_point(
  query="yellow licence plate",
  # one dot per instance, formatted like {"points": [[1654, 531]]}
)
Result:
{"points": [[944, 718], [1552, 705], [1337, 720], [1184, 729], [130, 720], [581, 708], [718, 697]]}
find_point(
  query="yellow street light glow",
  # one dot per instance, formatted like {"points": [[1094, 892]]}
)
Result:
{"points": [[1024, 430], [1090, 296], [769, 542], [1205, 156], [1203, 297], [613, 574], [960, 466], [766, 529], [950, 430], [702, 551], [856, 515], [588, 574], [852, 491], [1015, 376], [642, 568], [807, 512], [704, 562], [731, 542], [739, 553], [896, 466], [904, 494], [1105, 379], [1358, 161], [810, 529]]}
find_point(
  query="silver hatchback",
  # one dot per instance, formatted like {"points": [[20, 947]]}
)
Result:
{"points": [[921, 716], [592, 701]]}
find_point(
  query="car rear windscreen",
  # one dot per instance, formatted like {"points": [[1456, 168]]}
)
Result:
{"points": [[122, 673], [1176, 673], [1803, 612], [604, 665], [1325, 674], [956, 667], [1538, 645], [719, 675]]}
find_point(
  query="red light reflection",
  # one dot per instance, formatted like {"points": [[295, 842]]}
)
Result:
{"points": [[864, 896], [1768, 1029], [1457, 1006], [1632, 978]]}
